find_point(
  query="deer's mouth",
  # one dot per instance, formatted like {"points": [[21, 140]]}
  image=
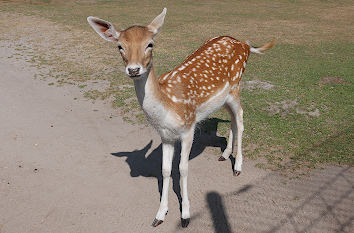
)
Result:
{"points": [[135, 76]]}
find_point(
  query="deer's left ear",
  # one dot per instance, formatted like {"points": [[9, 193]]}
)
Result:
{"points": [[157, 23]]}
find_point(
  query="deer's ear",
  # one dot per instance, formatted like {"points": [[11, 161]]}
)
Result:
{"points": [[104, 28], [157, 23]]}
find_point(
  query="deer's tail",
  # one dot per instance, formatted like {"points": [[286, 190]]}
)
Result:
{"points": [[260, 50]]}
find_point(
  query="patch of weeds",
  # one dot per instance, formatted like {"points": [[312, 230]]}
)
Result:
{"points": [[261, 166], [141, 118], [95, 94], [128, 119]]}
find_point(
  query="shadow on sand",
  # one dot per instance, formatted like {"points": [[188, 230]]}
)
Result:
{"points": [[149, 165]]}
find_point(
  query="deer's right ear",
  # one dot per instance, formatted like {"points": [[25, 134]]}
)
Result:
{"points": [[104, 28]]}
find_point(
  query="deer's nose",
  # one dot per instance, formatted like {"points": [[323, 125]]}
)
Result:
{"points": [[133, 71]]}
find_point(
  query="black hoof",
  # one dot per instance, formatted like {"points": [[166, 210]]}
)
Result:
{"points": [[221, 158], [237, 173], [185, 222], [156, 222]]}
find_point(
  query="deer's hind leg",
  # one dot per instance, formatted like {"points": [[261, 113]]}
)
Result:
{"points": [[230, 143], [234, 107]]}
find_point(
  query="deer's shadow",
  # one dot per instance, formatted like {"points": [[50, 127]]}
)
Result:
{"points": [[145, 165]]}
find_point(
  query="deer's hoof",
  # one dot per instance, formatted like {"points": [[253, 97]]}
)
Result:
{"points": [[237, 173], [185, 222], [221, 158], [156, 222]]}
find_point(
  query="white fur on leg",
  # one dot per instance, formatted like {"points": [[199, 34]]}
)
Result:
{"points": [[235, 110], [228, 151], [239, 120], [230, 144], [167, 157], [238, 163], [187, 141]]}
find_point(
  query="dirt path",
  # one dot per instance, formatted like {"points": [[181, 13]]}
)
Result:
{"points": [[67, 166]]}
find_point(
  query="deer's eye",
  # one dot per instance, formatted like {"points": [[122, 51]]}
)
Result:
{"points": [[150, 45]]}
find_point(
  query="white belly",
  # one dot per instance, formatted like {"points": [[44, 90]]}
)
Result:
{"points": [[213, 104]]}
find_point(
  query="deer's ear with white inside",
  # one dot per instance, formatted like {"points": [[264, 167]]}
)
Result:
{"points": [[157, 23], [104, 28]]}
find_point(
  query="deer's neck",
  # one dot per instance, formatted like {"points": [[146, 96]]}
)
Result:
{"points": [[153, 103], [148, 90]]}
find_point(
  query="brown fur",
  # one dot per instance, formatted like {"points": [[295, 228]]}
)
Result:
{"points": [[205, 73], [134, 41]]}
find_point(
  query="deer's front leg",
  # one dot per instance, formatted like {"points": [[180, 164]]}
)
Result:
{"points": [[187, 141], [167, 157]]}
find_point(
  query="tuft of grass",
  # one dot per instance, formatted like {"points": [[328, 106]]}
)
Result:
{"points": [[261, 165]]}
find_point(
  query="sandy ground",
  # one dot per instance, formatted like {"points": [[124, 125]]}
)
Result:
{"points": [[67, 166]]}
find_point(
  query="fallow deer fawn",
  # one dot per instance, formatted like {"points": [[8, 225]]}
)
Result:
{"points": [[173, 103]]}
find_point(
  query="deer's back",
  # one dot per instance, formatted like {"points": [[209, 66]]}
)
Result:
{"points": [[216, 67]]}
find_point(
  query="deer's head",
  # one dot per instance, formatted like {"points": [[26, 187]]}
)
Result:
{"points": [[135, 43]]}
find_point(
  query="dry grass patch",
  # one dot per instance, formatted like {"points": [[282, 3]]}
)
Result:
{"points": [[330, 80]]}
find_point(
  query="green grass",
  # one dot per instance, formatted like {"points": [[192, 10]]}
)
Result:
{"points": [[311, 46]]}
